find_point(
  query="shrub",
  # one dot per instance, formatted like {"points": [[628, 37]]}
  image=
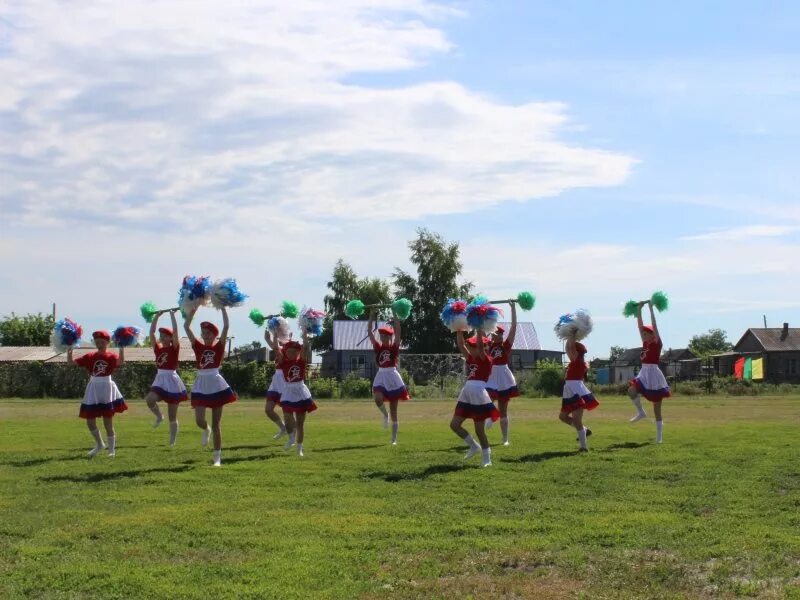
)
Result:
{"points": [[354, 386], [549, 377], [323, 387]]}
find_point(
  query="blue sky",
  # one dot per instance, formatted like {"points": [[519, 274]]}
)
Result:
{"points": [[590, 152]]}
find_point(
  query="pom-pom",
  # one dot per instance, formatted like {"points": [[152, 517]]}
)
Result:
{"points": [[482, 315], [148, 310], [631, 308], [578, 324], [193, 293], [289, 310], [257, 317], [225, 293], [526, 300], [402, 308], [310, 321], [66, 334], [280, 326], [354, 309], [454, 315], [124, 337], [659, 301]]}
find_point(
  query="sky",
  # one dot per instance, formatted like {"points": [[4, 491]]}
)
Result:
{"points": [[590, 152]]}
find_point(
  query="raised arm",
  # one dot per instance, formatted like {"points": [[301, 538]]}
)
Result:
{"points": [[223, 337], [70, 359], [121, 359], [273, 343], [268, 338], [572, 351], [398, 331], [306, 348], [479, 341], [176, 336], [153, 327], [187, 325], [371, 327], [513, 332], [462, 347], [653, 321], [639, 321]]}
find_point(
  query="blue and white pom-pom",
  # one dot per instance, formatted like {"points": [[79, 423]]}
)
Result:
{"points": [[126, 336], [578, 324], [280, 327], [194, 293], [66, 334], [482, 315], [311, 320], [225, 293], [454, 315]]}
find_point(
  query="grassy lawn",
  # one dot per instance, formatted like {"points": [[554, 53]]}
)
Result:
{"points": [[714, 512]]}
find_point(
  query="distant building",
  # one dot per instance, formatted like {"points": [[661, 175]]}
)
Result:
{"points": [[778, 346]]}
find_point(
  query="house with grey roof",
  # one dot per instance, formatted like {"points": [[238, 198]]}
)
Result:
{"points": [[778, 346]]}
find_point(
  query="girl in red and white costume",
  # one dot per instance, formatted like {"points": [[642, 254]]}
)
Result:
{"points": [[502, 386], [576, 397], [473, 401], [388, 385], [167, 385], [102, 397], [650, 381], [210, 390], [276, 387], [296, 400]]}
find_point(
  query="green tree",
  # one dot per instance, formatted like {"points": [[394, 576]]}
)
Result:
{"points": [[344, 286], [28, 330], [438, 265], [615, 352], [715, 341]]}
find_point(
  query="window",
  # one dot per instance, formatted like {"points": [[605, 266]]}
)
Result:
{"points": [[516, 362], [358, 363], [792, 366]]}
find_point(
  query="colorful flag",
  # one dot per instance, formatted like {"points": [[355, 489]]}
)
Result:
{"points": [[758, 368], [738, 368], [748, 369]]}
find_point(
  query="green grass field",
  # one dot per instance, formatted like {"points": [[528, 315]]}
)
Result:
{"points": [[714, 512]]}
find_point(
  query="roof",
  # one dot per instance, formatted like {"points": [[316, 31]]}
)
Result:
{"points": [[19, 353], [352, 335], [770, 338], [47, 354], [673, 355], [631, 355]]}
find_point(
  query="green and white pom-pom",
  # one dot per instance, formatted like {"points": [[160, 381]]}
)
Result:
{"points": [[289, 310], [660, 301], [354, 309], [631, 308], [257, 317], [148, 310], [402, 308], [526, 300]]}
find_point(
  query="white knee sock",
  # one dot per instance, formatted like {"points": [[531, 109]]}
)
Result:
{"points": [[504, 428], [470, 442], [487, 456], [395, 426], [217, 458], [637, 402], [98, 439], [173, 432], [659, 431], [582, 438], [112, 445], [382, 408]]}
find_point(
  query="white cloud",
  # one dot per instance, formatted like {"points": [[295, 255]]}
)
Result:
{"points": [[203, 112], [744, 233]]}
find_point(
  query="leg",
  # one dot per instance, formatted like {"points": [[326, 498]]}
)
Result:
{"points": [[577, 423], [216, 429], [200, 419], [659, 422], [565, 418], [152, 403], [456, 424], [269, 409], [108, 424], [98, 439], [395, 425], [503, 406], [633, 394], [378, 396], [480, 431], [172, 412], [291, 428], [300, 421]]}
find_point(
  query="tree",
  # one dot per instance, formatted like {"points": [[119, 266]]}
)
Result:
{"points": [[344, 286], [254, 345], [438, 264], [30, 330], [713, 342], [615, 352]]}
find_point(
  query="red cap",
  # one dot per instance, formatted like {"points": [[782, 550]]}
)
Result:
{"points": [[500, 329], [386, 330], [648, 328], [102, 334], [165, 330], [292, 344], [473, 341], [208, 325]]}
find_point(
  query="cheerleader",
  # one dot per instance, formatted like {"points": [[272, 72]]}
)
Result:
{"points": [[650, 382], [388, 385], [102, 397], [501, 385], [576, 397], [296, 400], [167, 385], [210, 390], [473, 401], [275, 389]]}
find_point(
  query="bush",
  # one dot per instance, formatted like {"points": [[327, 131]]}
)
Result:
{"points": [[323, 387], [548, 377], [354, 386], [409, 381]]}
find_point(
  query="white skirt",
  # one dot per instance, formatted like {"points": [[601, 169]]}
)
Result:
{"points": [[169, 386], [211, 390], [474, 393], [651, 383], [502, 384], [390, 384], [276, 386], [296, 398], [101, 390]]}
